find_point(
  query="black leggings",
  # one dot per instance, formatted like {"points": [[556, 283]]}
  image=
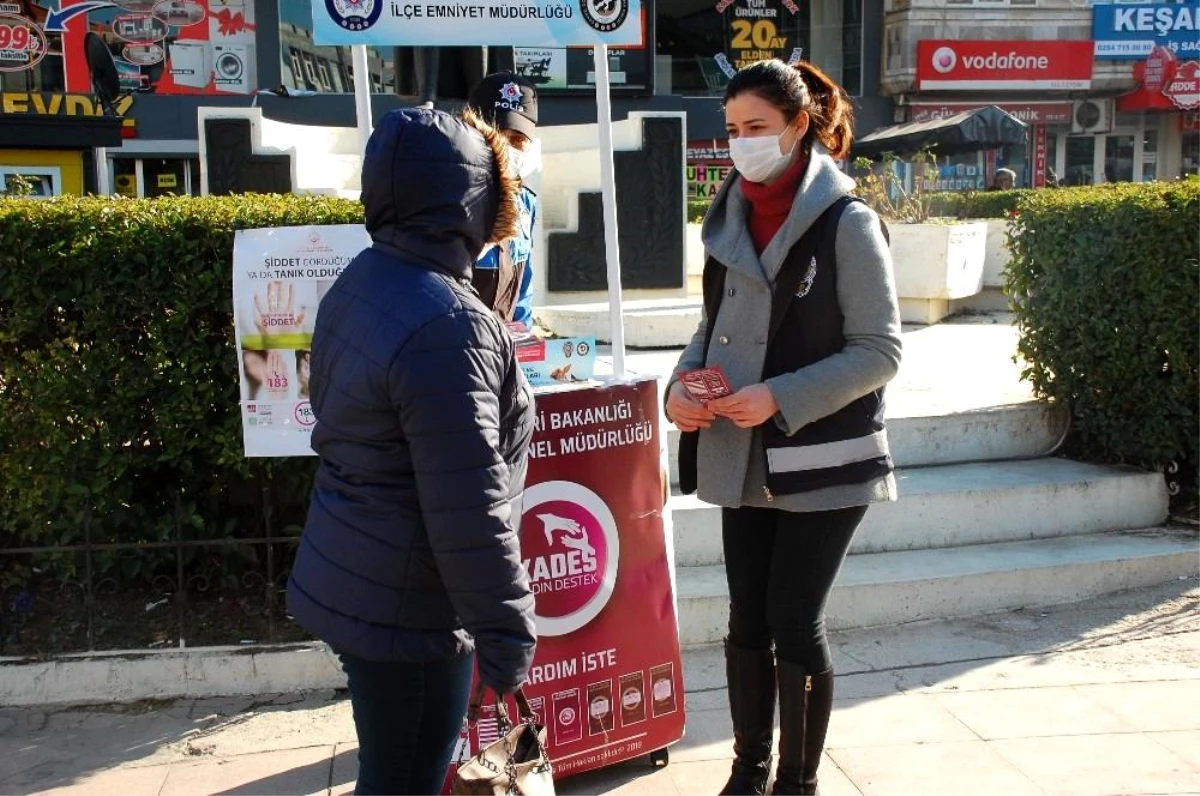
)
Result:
{"points": [[781, 566]]}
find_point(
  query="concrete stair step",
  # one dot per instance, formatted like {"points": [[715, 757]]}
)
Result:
{"points": [[1023, 430], [891, 588], [970, 504]]}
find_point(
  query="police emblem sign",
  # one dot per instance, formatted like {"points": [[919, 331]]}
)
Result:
{"points": [[519, 23]]}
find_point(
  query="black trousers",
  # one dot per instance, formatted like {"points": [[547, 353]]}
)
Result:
{"points": [[781, 566], [408, 717]]}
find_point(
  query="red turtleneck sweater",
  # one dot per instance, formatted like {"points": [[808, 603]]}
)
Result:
{"points": [[771, 203]]}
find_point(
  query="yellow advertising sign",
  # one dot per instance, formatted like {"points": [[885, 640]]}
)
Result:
{"points": [[126, 185], [38, 104], [758, 30]]}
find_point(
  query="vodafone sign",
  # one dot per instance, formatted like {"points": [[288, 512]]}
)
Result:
{"points": [[1004, 65]]}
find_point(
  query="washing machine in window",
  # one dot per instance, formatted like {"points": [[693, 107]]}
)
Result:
{"points": [[234, 68], [191, 63]]}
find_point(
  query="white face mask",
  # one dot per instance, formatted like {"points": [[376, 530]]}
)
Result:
{"points": [[760, 159], [525, 163]]}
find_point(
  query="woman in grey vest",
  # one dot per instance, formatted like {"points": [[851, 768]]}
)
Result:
{"points": [[801, 315]]}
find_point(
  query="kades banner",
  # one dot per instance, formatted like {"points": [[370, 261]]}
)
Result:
{"points": [[757, 30], [606, 680]]}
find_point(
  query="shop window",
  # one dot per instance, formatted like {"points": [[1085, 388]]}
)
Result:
{"points": [[1150, 156], [165, 177], [1190, 163], [125, 178], [1080, 160], [309, 67], [1051, 158], [705, 45], [37, 182], [1118, 158], [152, 177]]}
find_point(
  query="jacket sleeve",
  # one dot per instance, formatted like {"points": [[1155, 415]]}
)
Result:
{"points": [[866, 291], [692, 357], [446, 384], [524, 310]]}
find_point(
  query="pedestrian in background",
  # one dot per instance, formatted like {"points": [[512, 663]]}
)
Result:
{"points": [[1005, 180], [800, 312], [410, 558]]}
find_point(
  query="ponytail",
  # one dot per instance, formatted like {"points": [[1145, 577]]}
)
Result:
{"points": [[830, 112]]}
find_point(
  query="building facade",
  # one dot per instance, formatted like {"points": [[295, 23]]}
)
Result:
{"points": [[1110, 91], [175, 56]]}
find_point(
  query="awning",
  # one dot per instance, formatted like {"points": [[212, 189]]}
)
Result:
{"points": [[970, 131], [34, 131]]}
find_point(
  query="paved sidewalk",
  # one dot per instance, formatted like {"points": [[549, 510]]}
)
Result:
{"points": [[1101, 697]]}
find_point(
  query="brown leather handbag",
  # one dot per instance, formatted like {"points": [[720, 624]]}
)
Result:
{"points": [[516, 763]]}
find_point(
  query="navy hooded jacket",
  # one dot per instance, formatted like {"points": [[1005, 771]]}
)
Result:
{"points": [[411, 549]]}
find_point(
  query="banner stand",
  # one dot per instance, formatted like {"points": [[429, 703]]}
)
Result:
{"points": [[608, 180], [362, 94], [608, 187], [598, 549], [100, 155]]}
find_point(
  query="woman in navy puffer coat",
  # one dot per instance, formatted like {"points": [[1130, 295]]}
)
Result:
{"points": [[411, 557]]}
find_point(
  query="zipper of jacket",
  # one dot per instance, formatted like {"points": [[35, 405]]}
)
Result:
{"points": [[767, 492]]}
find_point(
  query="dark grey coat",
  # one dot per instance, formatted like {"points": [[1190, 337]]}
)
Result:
{"points": [[731, 468]]}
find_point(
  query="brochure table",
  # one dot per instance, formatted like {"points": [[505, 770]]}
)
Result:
{"points": [[607, 679]]}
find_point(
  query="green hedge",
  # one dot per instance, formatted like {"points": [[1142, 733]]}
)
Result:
{"points": [[118, 372], [118, 377], [977, 204], [1104, 281]]}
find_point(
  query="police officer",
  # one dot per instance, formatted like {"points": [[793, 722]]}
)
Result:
{"points": [[504, 272]]}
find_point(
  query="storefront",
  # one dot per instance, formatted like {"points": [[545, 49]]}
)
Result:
{"points": [[1038, 82], [48, 141], [1155, 132]]}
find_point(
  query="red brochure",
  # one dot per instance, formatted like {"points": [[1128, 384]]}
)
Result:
{"points": [[706, 384]]}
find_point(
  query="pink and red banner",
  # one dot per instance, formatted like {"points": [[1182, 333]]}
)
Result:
{"points": [[607, 680]]}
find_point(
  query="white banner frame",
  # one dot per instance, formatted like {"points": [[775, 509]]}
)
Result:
{"points": [[621, 18]]}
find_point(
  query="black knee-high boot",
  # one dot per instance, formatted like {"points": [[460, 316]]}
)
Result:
{"points": [[751, 676], [805, 704]]}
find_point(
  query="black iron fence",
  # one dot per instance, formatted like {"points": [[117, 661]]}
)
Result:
{"points": [[184, 591]]}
